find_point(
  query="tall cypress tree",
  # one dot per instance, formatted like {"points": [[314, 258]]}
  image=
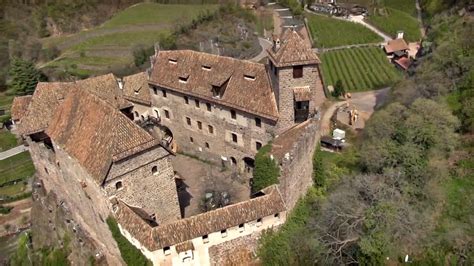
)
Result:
{"points": [[24, 76]]}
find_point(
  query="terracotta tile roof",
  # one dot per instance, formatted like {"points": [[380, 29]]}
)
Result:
{"points": [[185, 246], [20, 106], [247, 86], [94, 132], [48, 95], [403, 62], [202, 224], [135, 88], [396, 45], [106, 87], [302, 93], [294, 50], [45, 100]]}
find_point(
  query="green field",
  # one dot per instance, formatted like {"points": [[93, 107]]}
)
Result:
{"points": [[397, 20], [7, 140], [359, 69], [13, 190], [329, 32], [16, 167], [110, 46], [407, 6]]}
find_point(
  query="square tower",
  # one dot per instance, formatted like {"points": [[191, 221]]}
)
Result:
{"points": [[296, 80]]}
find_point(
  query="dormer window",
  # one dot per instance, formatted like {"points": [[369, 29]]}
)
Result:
{"points": [[216, 91], [183, 79], [249, 77], [172, 61], [207, 68], [136, 92]]}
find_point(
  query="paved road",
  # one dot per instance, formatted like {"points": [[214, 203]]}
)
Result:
{"points": [[265, 44], [13, 151]]}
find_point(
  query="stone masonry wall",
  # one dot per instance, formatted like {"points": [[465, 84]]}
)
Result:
{"points": [[73, 187], [155, 192], [286, 83], [297, 167], [220, 140]]}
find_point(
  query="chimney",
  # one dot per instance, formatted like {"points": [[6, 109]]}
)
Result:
{"points": [[120, 83], [276, 43], [399, 34]]}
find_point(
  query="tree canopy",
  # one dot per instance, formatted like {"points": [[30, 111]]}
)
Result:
{"points": [[23, 76]]}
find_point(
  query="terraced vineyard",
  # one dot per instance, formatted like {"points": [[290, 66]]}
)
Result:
{"points": [[359, 69]]}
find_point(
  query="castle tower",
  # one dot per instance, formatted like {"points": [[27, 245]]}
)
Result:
{"points": [[296, 79]]}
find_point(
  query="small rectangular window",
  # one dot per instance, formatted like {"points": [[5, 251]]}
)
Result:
{"points": [[277, 215], [186, 100], [205, 239], [183, 80], [188, 121], [233, 114], [259, 221], [199, 123], [234, 137], [208, 106], [155, 91], [241, 227], [197, 103], [207, 68], [163, 92], [191, 139], [167, 250], [207, 145], [258, 122], [172, 61], [258, 145], [224, 233], [297, 72], [167, 114], [211, 129]]}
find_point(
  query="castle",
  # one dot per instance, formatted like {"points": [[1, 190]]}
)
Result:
{"points": [[103, 145]]}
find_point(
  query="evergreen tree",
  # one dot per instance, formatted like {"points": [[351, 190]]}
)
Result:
{"points": [[24, 76]]}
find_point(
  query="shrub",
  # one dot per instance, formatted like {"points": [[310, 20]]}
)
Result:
{"points": [[318, 168], [266, 171], [130, 254]]}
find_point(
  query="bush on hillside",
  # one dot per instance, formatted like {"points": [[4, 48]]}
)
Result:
{"points": [[266, 171], [130, 254]]}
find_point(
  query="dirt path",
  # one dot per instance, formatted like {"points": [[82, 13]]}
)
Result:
{"points": [[12, 152], [366, 101], [419, 17]]}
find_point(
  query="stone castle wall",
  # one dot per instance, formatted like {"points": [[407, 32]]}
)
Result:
{"points": [[74, 189], [297, 165], [219, 141], [154, 192]]}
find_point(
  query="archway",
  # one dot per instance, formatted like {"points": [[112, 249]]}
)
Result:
{"points": [[249, 164]]}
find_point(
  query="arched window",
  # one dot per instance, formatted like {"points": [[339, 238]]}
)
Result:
{"points": [[154, 170], [118, 185]]}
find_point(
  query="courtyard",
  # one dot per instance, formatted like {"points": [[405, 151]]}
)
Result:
{"points": [[196, 178]]}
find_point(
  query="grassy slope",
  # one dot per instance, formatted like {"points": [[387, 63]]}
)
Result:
{"points": [[359, 68], [407, 6], [330, 32], [7, 140], [397, 20], [16, 167], [141, 24]]}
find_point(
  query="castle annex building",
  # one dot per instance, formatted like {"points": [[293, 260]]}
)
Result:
{"points": [[104, 146]]}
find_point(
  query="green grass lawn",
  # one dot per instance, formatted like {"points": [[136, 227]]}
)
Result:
{"points": [[329, 32], [13, 190], [16, 167], [407, 6], [397, 20], [7, 140], [141, 24], [359, 69], [151, 13]]}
